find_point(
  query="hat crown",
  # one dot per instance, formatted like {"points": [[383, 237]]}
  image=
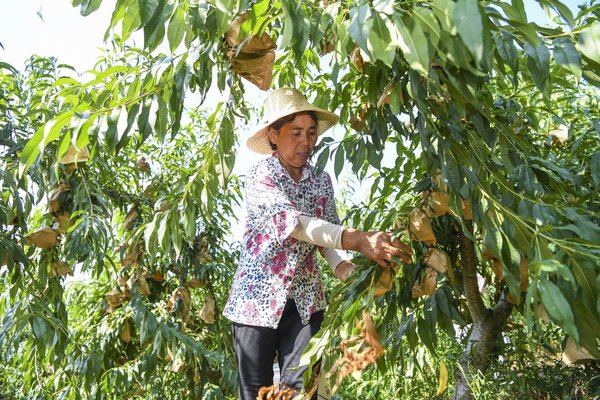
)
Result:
{"points": [[283, 102]]}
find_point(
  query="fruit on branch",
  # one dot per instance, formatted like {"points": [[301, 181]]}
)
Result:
{"points": [[44, 238], [420, 227]]}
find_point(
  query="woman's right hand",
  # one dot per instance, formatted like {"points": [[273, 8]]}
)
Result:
{"points": [[377, 246]]}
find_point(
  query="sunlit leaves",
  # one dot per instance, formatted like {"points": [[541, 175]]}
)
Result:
{"points": [[360, 25], [429, 23], [567, 55], [595, 169], [507, 50], [558, 307], [45, 134], [87, 6], [564, 11], [538, 62], [444, 11], [176, 28], [470, 27], [383, 40], [589, 41], [413, 43]]}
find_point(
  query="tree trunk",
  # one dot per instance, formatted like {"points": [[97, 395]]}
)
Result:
{"points": [[487, 323]]}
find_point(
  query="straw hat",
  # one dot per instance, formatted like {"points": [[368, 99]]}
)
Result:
{"points": [[280, 103]]}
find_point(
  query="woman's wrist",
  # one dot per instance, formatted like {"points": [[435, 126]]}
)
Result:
{"points": [[350, 239], [344, 269]]}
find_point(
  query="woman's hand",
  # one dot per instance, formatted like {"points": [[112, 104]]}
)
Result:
{"points": [[377, 246], [344, 269]]}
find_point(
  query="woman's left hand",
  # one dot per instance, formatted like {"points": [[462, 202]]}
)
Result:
{"points": [[377, 246], [344, 269]]}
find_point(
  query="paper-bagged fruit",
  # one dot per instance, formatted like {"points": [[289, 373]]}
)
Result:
{"points": [[438, 203], [43, 238], [251, 57], [75, 155], [61, 268], [125, 332], [179, 303], [573, 354], [427, 286], [55, 196], [385, 282], [116, 297], [441, 262], [207, 312], [420, 227]]}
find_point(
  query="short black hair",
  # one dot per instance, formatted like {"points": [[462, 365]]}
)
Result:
{"points": [[277, 125]]}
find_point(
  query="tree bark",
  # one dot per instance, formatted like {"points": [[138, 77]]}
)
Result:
{"points": [[487, 323]]}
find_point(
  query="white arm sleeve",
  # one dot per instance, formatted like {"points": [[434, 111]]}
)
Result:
{"points": [[325, 234], [317, 231], [334, 257]]}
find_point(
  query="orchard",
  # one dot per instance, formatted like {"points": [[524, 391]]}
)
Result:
{"points": [[475, 131]]}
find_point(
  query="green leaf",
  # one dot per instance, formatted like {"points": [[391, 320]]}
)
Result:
{"points": [[429, 24], [595, 169], [163, 234], [511, 259], [384, 6], [543, 215], [587, 226], [112, 134], [360, 25], [451, 175], [322, 159], [514, 11], [528, 31], [87, 6], [470, 27], [493, 236], [132, 20], [38, 326], [507, 49], [589, 41], [383, 42], [63, 147], [444, 11], [176, 237], [340, 159], [413, 43], [176, 29], [556, 267], [147, 10], [567, 55], [538, 62], [598, 291], [557, 307], [44, 135], [288, 28], [562, 9], [154, 30], [224, 11]]}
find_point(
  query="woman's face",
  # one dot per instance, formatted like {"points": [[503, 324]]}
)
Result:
{"points": [[296, 140]]}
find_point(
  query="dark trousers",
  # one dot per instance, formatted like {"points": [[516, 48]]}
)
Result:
{"points": [[257, 346]]}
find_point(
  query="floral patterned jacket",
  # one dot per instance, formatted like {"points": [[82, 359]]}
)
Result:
{"points": [[274, 266]]}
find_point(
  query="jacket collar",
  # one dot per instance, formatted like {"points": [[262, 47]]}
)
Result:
{"points": [[308, 171]]}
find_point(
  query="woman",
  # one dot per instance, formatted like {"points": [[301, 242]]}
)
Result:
{"points": [[276, 301]]}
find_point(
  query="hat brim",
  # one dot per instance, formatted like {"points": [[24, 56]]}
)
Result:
{"points": [[259, 141]]}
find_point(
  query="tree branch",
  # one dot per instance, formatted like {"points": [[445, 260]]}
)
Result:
{"points": [[469, 266]]}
